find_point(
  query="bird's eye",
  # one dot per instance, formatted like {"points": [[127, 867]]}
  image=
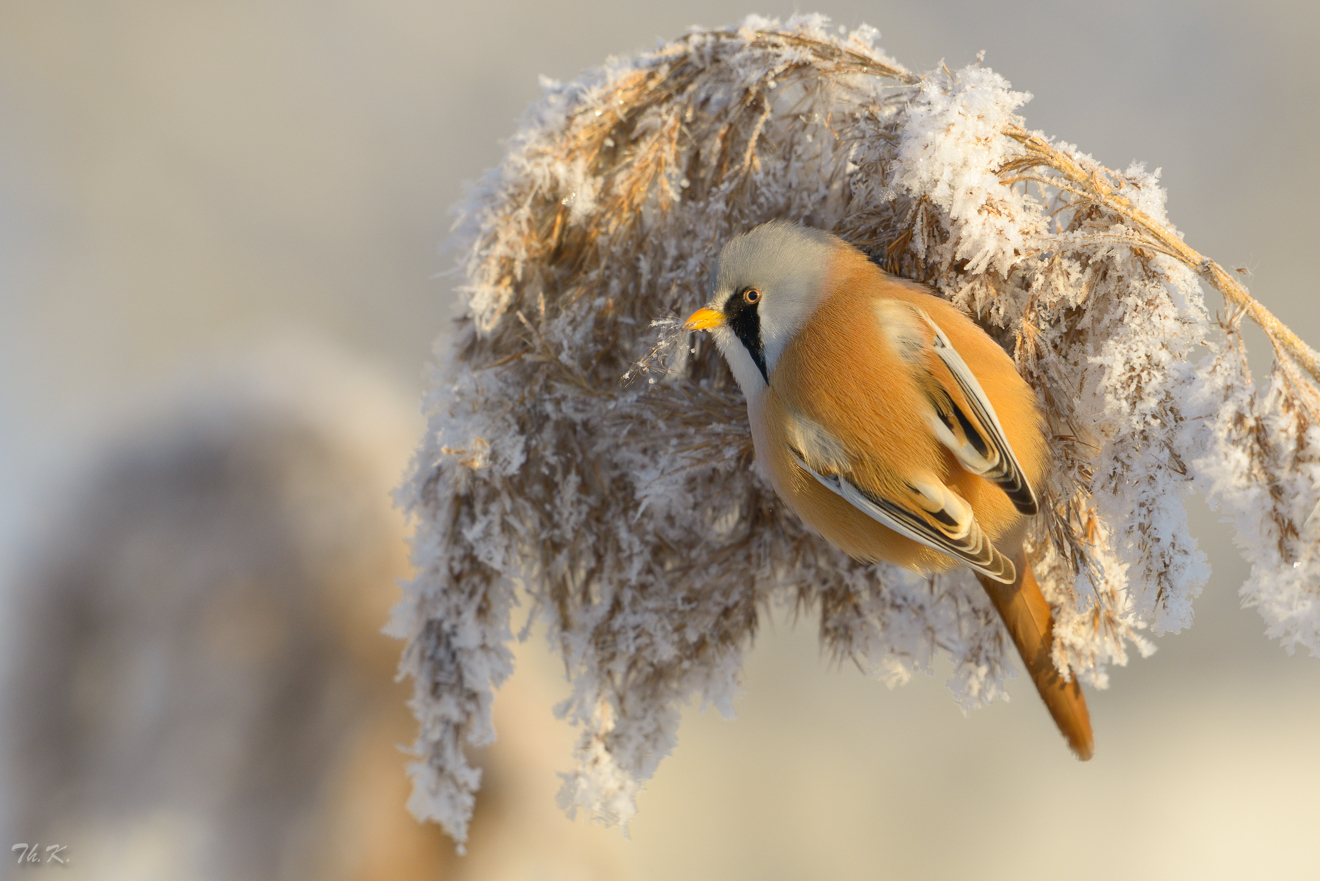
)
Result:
{"points": [[751, 296]]}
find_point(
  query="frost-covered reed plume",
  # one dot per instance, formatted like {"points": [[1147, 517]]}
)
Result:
{"points": [[629, 513]]}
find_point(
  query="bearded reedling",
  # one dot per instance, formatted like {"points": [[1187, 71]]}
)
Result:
{"points": [[891, 424]]}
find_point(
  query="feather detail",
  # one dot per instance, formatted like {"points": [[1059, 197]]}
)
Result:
{"points": [[1030, 623], [925, 510], [973, 433]]}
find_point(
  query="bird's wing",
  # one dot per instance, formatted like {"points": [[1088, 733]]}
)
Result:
{"points": [[961, 416], [922, 509]]}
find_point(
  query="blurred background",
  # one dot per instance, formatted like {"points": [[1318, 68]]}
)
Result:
{"points": [[186, 188]]}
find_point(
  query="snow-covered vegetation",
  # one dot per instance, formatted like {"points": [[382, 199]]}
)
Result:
{"points": [[627, 513]]}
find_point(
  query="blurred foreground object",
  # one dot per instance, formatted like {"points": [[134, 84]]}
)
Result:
{"points": [[629, 514], [202, 689]]}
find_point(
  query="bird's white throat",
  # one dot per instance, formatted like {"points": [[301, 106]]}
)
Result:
{"points": [[740, 362]]}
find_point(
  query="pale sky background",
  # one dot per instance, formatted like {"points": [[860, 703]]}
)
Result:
{"points": [[178, 180]]}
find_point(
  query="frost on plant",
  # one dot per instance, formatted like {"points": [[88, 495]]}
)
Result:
{"points": [[629, 514]]}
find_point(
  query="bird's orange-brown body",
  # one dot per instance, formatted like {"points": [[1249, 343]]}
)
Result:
{"points": [[892, 441], [874, 404]]}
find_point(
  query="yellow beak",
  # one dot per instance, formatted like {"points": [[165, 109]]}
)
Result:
{"points": [[704, 319]]}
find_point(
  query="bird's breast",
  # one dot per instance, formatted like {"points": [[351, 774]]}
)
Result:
{"points": [[823, 511]]}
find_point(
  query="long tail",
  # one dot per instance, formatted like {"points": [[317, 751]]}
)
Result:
{"points": [[1029, 622]]}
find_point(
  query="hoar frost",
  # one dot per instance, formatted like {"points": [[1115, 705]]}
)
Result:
{"points": [[629, 514]]}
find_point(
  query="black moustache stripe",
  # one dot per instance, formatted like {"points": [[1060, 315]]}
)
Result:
{"points": [[745, 321]]}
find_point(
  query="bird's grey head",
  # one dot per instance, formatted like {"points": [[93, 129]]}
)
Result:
{"points": [[766, 284]]}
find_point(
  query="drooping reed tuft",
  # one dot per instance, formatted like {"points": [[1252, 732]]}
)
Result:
{"points": [[630, 513]]}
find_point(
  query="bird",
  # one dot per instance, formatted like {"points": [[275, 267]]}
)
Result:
{"points": [[891, 424]]}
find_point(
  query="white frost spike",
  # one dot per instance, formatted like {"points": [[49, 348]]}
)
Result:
{"points": [[1259, 463], [949, 156]]}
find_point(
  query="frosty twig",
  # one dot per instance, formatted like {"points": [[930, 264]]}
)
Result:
{"points": [[1092, 185]]}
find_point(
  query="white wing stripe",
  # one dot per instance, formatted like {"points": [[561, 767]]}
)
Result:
{"points": [[983, 411], [851, 494]]}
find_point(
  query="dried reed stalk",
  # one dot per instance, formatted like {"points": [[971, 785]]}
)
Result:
{"points": [[630, 515]]}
